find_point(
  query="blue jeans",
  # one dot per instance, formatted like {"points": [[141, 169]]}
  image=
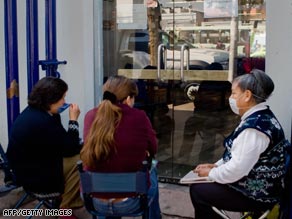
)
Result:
{"points": [[132, 205]]}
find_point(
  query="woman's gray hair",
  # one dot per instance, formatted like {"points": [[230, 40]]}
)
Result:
{"points": [[258, 82]]}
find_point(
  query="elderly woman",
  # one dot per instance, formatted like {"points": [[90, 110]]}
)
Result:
{"points": [[257, 144]]}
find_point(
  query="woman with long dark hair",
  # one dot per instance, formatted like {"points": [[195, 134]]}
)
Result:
{"points": [[117, 138]]}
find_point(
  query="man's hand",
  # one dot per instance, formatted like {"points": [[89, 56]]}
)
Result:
{"points": [[74, 112]]}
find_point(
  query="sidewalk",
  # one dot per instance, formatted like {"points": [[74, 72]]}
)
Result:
{"points": [[174, 201]]}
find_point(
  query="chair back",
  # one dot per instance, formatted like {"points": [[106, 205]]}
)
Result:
{"points": [[135, 184], [114, 182]]}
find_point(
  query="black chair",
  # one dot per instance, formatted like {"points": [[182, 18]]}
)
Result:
{"points": [[9, 178], [126, 183], [245, 215], [49, 200]]}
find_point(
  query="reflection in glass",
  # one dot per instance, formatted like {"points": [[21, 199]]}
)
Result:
{"points": [[189, 131]]}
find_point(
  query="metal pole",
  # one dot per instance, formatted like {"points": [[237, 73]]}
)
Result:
{"points": [[233, 41], [98, 51], [11, 61], [51, 37], [32, 43]]}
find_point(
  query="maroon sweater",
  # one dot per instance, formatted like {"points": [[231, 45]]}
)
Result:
{"points": [[133, 136]]}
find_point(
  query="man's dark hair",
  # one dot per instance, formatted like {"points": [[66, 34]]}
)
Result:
{"points": [[46, 92]]}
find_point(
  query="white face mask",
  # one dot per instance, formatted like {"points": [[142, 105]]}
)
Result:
{"points": [[233, 105]]}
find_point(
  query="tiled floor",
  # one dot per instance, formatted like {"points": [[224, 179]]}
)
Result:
{"points": [[174, 201]]}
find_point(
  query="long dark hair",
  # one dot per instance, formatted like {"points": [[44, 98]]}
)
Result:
{"points": [[46, 92], [100, 141]]}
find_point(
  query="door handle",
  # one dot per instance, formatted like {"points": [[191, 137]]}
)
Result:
{"points": [[160, 48], [182, 57]]}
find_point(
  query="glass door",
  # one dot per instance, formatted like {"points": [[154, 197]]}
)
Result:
{"points": [[182, 56]]}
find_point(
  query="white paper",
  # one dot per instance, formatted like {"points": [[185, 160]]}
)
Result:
{"points": [[192, 177]]}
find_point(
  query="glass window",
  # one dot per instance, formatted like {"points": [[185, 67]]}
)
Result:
{"points": [[186, 100]]}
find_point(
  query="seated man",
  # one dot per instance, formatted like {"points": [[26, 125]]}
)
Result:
{"points": [[42, 154]]}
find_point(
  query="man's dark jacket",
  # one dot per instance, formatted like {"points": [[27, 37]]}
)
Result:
{"points": [[37, 144]]}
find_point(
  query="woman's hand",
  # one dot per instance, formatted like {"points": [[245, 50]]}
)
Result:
{"points": [[204, 169], [74, 112]]}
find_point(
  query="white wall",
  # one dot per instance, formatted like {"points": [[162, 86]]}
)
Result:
{"points": [[279, 59], [74, 44]]}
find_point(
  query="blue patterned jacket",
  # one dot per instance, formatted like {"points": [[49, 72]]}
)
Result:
{"points": [[265, 181]]}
